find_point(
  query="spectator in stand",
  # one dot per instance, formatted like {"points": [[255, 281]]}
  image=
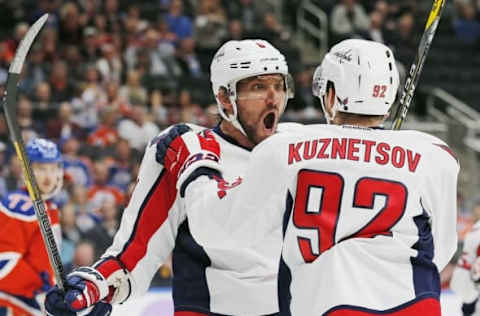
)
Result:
{"points": [[63, 127], [62, 88], [122, 165], [84, 255], [272, 30], [90, 48], [102, 36], [187, 58], [70, 233], [34, 71], [178, 23], [75, 168], [110, 65], [249, 12], [102, 234], [101, 190], [137, 129], [114, 100], [348, 20], [10, 45], [106, 133], [89, 9], [85, 219], [50, 47], [235, 31], [375, 32], [210, 25], [467, 28], [43, 107], [190, 112], [134, 21], [14, 178], [154, 59], [71, 27], [404, 40], [305, 105], [93, 93], [166, 38], [159, 111], [25, 119], [112, 13], [74, 61], [133, 91]]}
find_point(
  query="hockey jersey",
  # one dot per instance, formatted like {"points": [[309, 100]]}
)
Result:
{"points": [[23, 257], [462, 282], [367, 218], [156, 223]]}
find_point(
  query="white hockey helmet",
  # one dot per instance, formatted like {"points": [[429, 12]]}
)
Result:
{"points": [[363, 74], [237, 60]]}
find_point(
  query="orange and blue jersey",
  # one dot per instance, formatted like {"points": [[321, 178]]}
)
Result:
{"points": [[23, 257]]}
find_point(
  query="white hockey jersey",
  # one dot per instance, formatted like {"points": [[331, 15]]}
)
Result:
{"points": [[368, 218], [462, 282], [156, 223]]}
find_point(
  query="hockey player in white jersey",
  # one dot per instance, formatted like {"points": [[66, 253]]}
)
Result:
{"points": [[249, 80], [368, 215], [466, 276]]}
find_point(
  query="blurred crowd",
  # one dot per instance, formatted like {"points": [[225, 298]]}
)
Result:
{"points": [[105, 76]]}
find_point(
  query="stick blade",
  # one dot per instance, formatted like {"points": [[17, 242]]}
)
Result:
{"points": [[24, 47]]}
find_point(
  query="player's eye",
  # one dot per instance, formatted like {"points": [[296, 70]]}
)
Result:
{"points": [[279, 86], [258, 86]]}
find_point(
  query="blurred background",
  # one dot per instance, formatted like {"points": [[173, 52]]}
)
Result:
{"points": [[105, 76]]}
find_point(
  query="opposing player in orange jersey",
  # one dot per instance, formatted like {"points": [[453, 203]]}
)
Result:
{"points": [[25, 271]]}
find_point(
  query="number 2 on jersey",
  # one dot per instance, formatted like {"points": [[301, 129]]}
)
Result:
{"points": [[325, 219]]}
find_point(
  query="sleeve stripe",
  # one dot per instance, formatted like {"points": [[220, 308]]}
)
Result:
{"points": [[152, 214], [8, 261]]}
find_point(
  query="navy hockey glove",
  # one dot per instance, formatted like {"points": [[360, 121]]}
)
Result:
{"points": [[85, 288], [187, 154], [42, 292]]}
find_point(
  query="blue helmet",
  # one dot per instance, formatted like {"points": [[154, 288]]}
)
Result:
{"points": [[43, 151]]}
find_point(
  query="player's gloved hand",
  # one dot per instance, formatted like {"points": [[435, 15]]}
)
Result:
{"points": [[189, 155], [84, 289], [42, 292], [169, 146]]}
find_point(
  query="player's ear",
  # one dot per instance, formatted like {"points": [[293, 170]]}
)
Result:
{"points": [[330, 99], [225, 100]]}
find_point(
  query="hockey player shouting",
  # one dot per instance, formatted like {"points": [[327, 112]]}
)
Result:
{"points": [[249, 80], [25, 272], [368, 215]]}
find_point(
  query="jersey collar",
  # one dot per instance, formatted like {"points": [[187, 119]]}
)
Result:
{"points": [[227, 138]]}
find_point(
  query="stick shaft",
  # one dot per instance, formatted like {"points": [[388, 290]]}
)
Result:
{"points": [[9, 107], [417, 66]]}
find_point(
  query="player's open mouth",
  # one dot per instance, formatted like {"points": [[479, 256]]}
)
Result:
{"points": [[269, 121]]}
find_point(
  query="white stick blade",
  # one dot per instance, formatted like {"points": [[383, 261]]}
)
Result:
{"points": [[24, 47]]}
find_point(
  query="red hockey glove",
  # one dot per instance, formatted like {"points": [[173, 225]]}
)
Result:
{"points": [[187, 153]]}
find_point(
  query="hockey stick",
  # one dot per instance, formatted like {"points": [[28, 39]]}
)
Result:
{"points": [[417, 66], [9, 108]]}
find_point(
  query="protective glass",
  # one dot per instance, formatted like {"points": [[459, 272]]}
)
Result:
{"points": [[262, 87]]}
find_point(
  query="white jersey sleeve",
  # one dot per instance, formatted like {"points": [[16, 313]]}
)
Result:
{"points": [[439, 198], [147, 232], [462, 282]]}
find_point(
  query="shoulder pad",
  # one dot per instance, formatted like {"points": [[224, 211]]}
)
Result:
{"points": [[18, 205]]}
